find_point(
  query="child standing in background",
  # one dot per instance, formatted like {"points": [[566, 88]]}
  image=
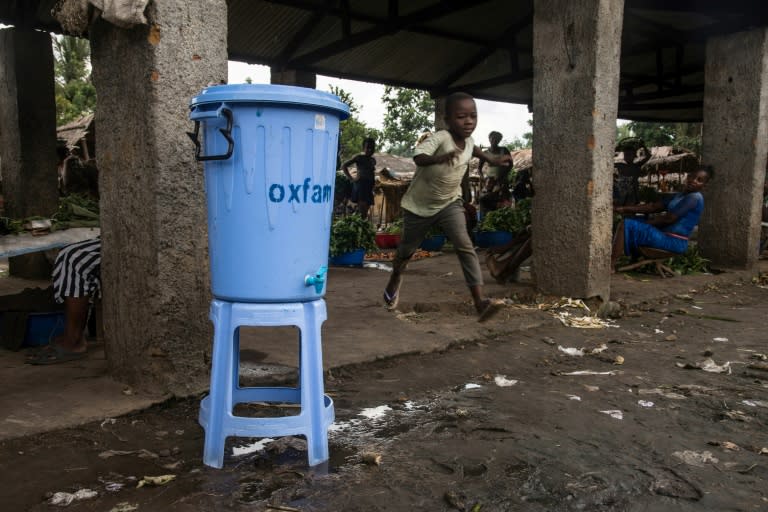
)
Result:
{"points": [[434, 199], [496, 177], [363, 183]]}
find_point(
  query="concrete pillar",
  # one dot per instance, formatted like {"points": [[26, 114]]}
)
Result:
{"points": [[28, 134], [440, 114], [735, 143], [293, 77], [27, 123], [576, 47], [156, 290]]}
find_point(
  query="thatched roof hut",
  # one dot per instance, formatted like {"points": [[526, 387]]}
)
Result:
{"points": [[671, 159], [667, 159], [397, 166], [522, 159], [80, 134]]}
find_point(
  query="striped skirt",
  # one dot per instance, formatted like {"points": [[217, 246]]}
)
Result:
{"points": [[77, 270]]}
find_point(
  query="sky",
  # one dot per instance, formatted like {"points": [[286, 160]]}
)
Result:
{"points": [[508, 118]]}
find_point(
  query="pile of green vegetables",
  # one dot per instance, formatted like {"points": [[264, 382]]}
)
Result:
{"points": [[350, 233], [691, 262], [74, 211], [513, 220]]}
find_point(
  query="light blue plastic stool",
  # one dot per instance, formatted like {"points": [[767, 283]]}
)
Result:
{"points": [[216, 409]]}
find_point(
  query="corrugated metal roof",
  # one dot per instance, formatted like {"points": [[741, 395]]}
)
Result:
{"points": [[484, 47], [481, 46]]}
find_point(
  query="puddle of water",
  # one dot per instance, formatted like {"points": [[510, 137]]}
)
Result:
{"points": [[254, 447], [375, 412], [377, 265]]}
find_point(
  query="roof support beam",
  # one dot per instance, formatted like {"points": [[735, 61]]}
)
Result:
{"points": [[496, 81], [668, 93], [506, 40], [300, 37], [382, 29], [669, 105]]}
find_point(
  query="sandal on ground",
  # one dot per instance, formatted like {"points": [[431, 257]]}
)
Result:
{"points": [[55, 355], [490, 308], [392, 300]]}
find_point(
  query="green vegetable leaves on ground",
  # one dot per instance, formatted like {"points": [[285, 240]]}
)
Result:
{"points": [[510, 219], [351, 233]]}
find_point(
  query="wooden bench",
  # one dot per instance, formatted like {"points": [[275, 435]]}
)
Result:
{"points": [[651, 256]]}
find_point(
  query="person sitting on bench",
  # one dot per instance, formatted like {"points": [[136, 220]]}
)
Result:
{"points": [[670, 229]]}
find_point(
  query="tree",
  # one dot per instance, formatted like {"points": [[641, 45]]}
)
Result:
{"points": [[683, 135], [524, 142], [352, 130], [75, 94], [410, 112]]}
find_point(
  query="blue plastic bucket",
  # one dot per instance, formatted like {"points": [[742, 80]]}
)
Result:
{"points": [[269, 153], [486, 239], [433, 243], [349, 259]]}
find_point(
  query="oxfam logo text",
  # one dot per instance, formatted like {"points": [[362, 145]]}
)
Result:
{"points": [[300, 193]]}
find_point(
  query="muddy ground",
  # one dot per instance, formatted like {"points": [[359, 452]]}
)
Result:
{"points": [[497, 424]]}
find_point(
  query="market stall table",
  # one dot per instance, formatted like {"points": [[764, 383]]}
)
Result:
{"points": [[25, 243]]}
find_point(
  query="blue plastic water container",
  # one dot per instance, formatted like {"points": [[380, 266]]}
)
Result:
{"points": [[269, 153]]}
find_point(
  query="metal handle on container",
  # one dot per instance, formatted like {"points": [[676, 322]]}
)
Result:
{"points": [[226, 132]]}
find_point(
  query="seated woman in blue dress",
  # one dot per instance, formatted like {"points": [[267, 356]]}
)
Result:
{"points": [[668, 231]]}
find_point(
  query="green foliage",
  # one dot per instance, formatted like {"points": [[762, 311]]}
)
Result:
{"points": [[75, 94], [623, 131], [689, 263], [410, 112], [9, 226], [510, 219], [74, 211], [351, 233], [524, 142], [683, 135], [654, 134], [352, 130], [629, 143], [342, 186], [395, 228]]}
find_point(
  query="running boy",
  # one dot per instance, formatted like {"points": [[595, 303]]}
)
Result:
{"points": [[434, 199], [362, 187]]}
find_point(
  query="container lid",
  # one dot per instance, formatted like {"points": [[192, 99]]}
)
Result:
{"points": [[268, 93]]}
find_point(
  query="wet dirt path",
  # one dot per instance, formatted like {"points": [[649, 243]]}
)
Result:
{"points": [[494, 425]]}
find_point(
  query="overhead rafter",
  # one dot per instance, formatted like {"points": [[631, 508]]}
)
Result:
{"points": [[336, 12], [388, 27], [666, 93], [667, 105], [506, 39], [496, 81]]}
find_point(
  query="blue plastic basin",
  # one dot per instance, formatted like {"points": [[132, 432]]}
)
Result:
{"points": [[492, 238], [433, 243], [349, 259]]}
